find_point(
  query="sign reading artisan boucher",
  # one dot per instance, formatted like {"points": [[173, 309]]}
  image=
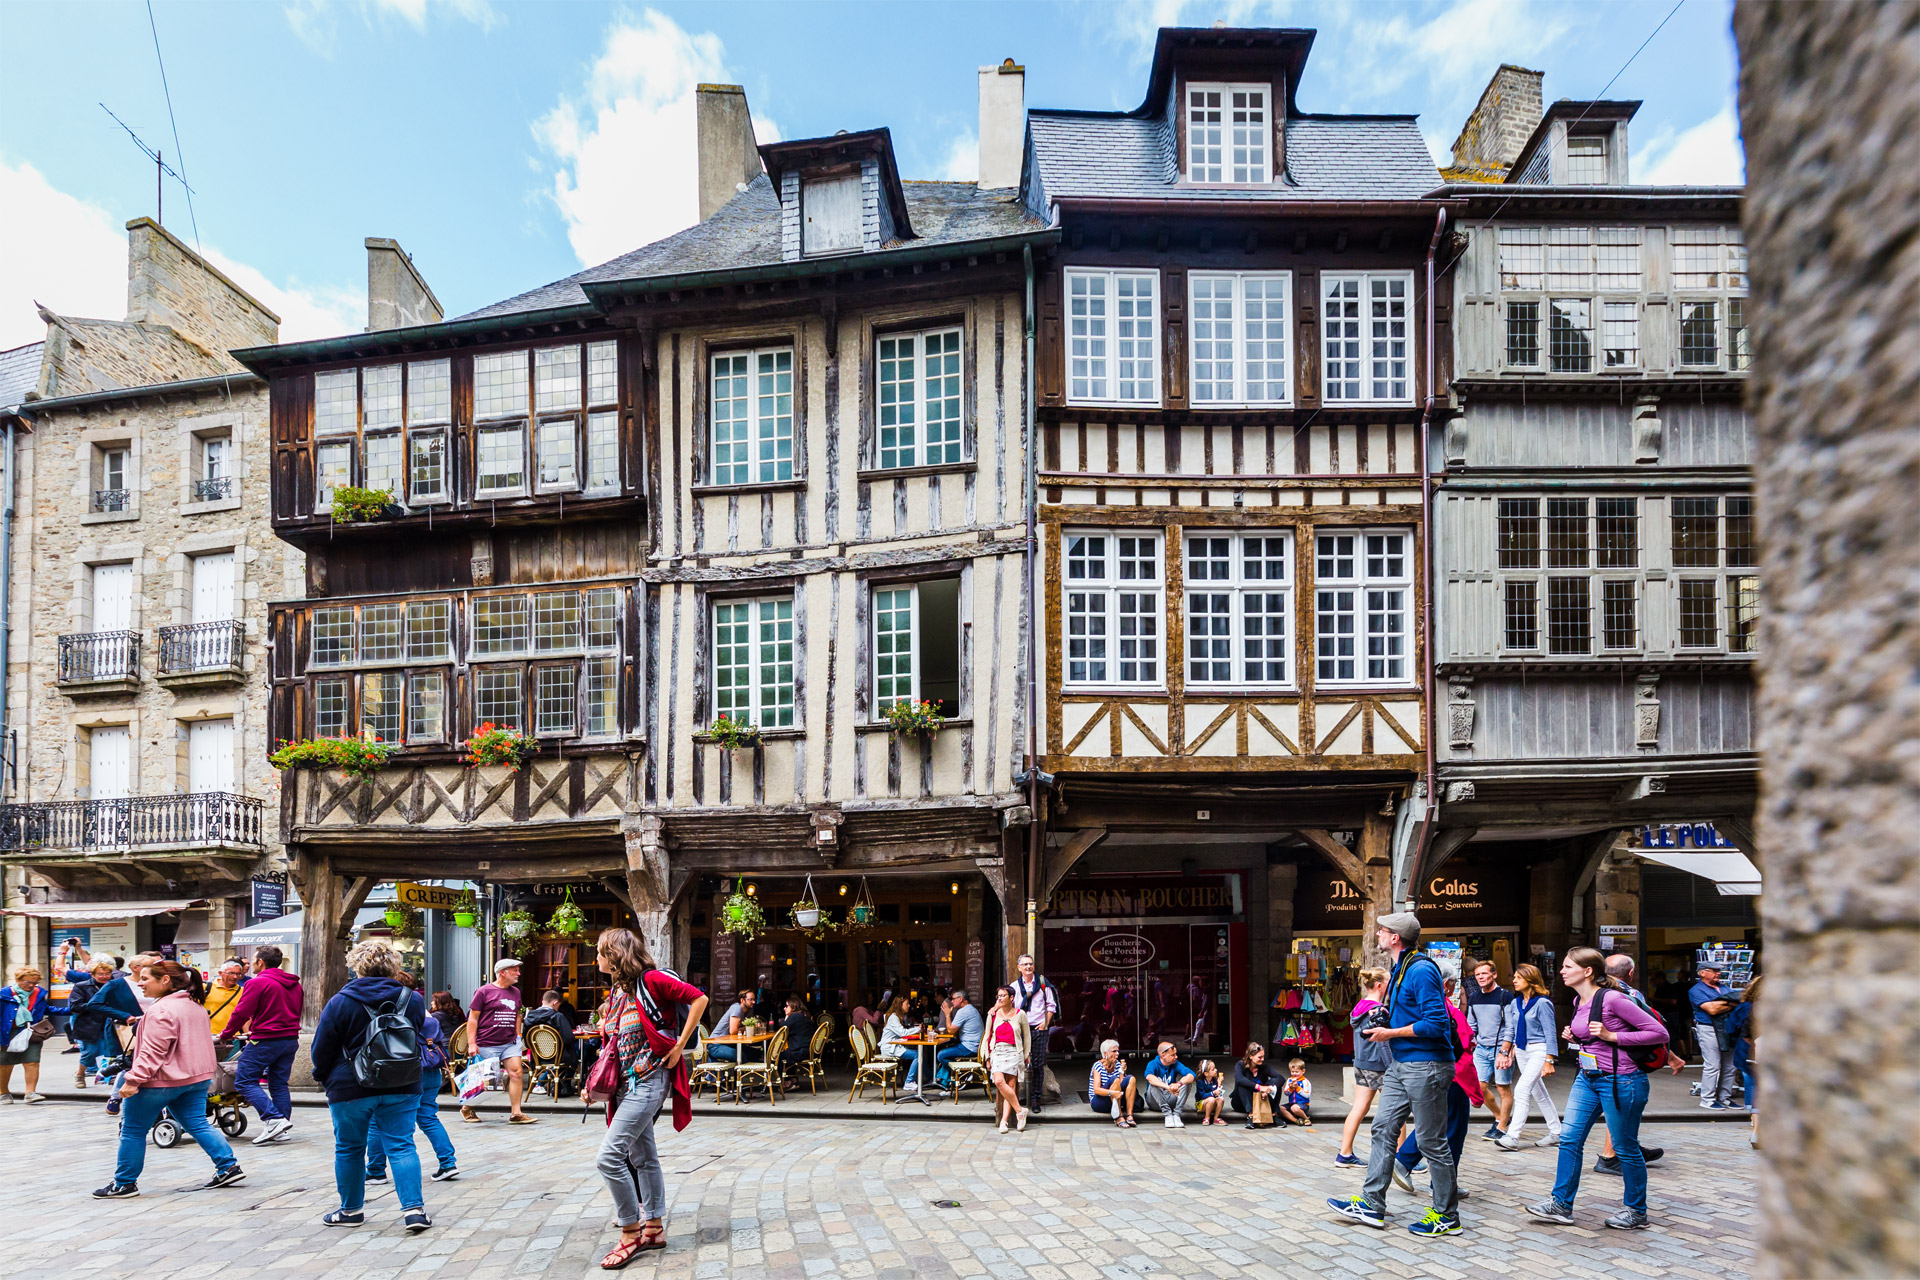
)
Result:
{"points": [[430, 896]]}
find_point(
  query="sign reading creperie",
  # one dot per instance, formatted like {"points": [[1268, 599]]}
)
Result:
{"points": [[434, 897]]}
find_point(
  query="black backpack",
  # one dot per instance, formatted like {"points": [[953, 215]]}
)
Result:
{"points": [[389, 1052]]}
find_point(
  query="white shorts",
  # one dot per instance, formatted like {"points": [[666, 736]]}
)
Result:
{"points": [[1006, 1061], [502, 1052]]}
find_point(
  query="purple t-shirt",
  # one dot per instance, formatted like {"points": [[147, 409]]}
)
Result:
{"points": [[1634, 1027], [496, 1010]]}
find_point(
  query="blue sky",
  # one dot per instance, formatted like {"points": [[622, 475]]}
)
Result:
{"points": [[507, 144]]}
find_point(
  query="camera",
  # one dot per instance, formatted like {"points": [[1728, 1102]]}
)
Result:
{"points": [[1374, 1018]]}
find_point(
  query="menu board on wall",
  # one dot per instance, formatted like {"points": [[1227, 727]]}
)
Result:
{"points": [[723, 977]]}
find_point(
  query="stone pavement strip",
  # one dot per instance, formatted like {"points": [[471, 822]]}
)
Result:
{"points": [[790, 1200]]}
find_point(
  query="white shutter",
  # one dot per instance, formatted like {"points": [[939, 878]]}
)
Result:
{"points": [[213, 587], [111, 764], [210, 756], [113, 597]]}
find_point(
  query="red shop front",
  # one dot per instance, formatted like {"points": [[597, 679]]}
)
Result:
{"points": [[1143, 958]]}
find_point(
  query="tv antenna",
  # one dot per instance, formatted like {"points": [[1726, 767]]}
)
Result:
{"points": [[161, 169]]}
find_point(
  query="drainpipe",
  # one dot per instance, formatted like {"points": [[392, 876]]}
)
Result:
{"points": [[1425, 833], [6, 598], [1033, 630]]}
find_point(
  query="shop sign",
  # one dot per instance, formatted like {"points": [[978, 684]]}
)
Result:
{"points": [[1121, 951], [723, 953], [1681, 835], [976, 966], [430, 897], [1472, 896], [269, 901], [1323, 900], [1144, 898], [560, 889]]}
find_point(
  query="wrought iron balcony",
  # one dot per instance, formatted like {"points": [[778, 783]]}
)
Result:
{"points": [[134, 823], [213, 490], [94, 656], [111, 499], [197, 647]]}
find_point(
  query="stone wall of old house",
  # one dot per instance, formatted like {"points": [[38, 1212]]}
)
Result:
{"points": [[168, 283], [1830, 111], [1509, 109]]}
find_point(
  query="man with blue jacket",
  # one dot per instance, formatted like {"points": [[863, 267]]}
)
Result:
{"points": [[1420, 1033]]}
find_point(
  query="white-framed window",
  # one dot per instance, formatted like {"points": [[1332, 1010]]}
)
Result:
{"points": [[332, 469], [753, 661], [500, 385], [429, 630], [499, 626], [603, 373], [501, 460], [336, 402], [556, 691], [1570, 335], [335, 637], [216, 458], [917, 394], [499, 697], [427, 466], [1589, 264], [1229, 132], [603, 452], [426, 706], [1239, 603], [382, 464], [380, 705], [380, 397], [556, 379], [1363, 606], [1710, 284], [1620, 334], [753, 416], [1586, 160], [554, 452], [916, 645], [429, 392], [1112, 612], [1113, 337], [1242, 326], [381, 636], [1368, 351]]}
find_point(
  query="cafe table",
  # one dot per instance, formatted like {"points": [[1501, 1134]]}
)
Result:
{"points": [[747, 1039], [922, 1045]]}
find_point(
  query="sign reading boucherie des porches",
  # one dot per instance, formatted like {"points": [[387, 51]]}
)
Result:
{"points": [[430, 896]]}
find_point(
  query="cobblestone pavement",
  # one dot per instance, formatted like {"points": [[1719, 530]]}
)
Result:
{"points": [[800, 1198]]}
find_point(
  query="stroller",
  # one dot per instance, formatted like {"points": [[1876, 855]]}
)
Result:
{"points": [[224, 1103]]}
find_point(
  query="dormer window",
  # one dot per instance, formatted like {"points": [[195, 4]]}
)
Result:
{"points": [[830, 209], [1587, 160], [1228, 133]]}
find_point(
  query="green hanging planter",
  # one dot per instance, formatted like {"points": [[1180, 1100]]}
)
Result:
{"points": [[396, 917], [464, 919]]}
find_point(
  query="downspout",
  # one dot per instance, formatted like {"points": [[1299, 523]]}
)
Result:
{"points": [[6, 605], [1418, 852], [1033, 629]]}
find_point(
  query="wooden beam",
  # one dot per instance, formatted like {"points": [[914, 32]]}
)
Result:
{"points": [[1449, 842], [1057, 862], [1342, 858]]}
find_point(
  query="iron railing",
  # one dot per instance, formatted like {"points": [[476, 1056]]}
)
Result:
{"points": [[134, 822], [110, 499], [213, 490], [201, 646], [99, 655]]}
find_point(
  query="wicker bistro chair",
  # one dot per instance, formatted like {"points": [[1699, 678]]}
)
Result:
{"points": [[458, 1054], [816, 1049], [708, 1070], [546, 1056], [766, 1071], [965, 1071], [869, 1067]]}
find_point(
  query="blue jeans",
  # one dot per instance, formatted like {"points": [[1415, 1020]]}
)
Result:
{"points": [[386, 1119], [427, 1117], [1459, 1113], [187, 1103], [1621, 1099], [724, 1052], [949, 1054], [272, 1061]]}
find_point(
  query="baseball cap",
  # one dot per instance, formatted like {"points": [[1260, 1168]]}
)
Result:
{"points": [[505, 963]]}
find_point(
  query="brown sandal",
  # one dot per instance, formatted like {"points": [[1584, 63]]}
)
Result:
{"points": [[632, 1246]]}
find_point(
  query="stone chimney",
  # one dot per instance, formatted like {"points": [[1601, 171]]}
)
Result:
{"points": [[1509, 110], [397, 296], [725, 150], [170, 284], [1003, 124]]}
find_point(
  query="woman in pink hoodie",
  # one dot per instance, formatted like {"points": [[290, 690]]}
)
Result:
{"points": [[172, 1062]]}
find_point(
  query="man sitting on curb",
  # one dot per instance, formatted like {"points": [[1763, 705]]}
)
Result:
{"points": [[1110, 1086], [1170, 1085]]}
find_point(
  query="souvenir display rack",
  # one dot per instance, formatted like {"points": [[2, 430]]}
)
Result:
{"points": [[1736, 964], [1311, 1008]]}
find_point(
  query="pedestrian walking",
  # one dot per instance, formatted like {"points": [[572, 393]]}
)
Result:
{"points": [[1620, 969], [1170, 1084], [1464, 1093], [117, 1002], [1370, 1061], [24, 1027], [434, 1056], [88, 1026], [650, 1015], [1421, 1035], [172, 1062], [1035, 997], [496, 1019], [267, 1012], [1746, 1054], [223, 995], [366, 1055], [1490, 1014], [1612, 1082], [1010, 1042], [1712, 1004], [1533, 1046]]}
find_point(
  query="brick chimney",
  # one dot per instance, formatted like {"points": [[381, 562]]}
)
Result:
{"points": [[1003, 123], [1509, 110], [397, 296], [725, 150], [170, 284]]}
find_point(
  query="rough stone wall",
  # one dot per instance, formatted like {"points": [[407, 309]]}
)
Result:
{"points": [[84, 356], [168, 283], [1830, 111], [1509, 110]]}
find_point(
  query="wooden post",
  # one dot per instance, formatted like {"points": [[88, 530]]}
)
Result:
{"points": [[319, 931], [647, 885]]}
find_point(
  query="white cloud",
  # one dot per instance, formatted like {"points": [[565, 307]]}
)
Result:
{"points": [[626, 171], [314, 22], [962, 161], [1708, 154], [79, 268]]}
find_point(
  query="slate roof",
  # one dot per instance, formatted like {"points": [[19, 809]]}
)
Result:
{"points": [[745, 233], [1093, 156], [20, 372]]}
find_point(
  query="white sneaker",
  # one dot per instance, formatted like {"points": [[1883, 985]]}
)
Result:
{"points": [[1172, 1121], [273, 1130], [1178, 1122]]}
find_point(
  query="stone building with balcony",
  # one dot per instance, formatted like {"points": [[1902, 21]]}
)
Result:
{"points": [[137, 791]]}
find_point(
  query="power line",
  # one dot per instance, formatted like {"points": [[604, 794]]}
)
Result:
{"points": [[178, 153]]}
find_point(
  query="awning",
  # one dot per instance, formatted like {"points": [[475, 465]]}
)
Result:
{"points": [[282, 930], [78, 911], [1730, 870]]}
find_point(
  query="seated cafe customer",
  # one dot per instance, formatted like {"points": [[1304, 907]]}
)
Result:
{"points": [[730, 1024], [1110, 1086], [1170, 1085], [799, 1028]]}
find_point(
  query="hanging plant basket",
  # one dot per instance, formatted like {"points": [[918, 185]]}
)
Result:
{"points": [[806, 913], [493, 744], [740, 914], [405, 922], [396, 917], [862, 915], [464, 919], [359, 757], [518, 929], [567, 920]]}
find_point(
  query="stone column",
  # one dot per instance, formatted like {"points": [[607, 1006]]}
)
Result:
{"points": [[647, 884], [1830, 111], [220, 914], [1616, 901]]}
